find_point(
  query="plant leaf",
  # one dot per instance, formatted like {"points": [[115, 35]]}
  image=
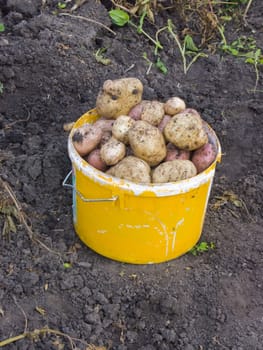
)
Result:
{"points": [[119, 17], [11, 224], [67, 265], [189, 44], [159, 64], [2, 27]]}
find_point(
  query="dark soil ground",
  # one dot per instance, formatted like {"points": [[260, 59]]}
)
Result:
{"points": [[49, 77]]}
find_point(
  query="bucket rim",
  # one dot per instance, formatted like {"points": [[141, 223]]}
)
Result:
{"points": [[152, 189]]}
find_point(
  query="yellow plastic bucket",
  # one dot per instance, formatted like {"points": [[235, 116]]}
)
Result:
{"points": [[135, 223]]}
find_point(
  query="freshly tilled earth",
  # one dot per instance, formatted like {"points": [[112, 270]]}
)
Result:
{"points": [[50, 77]]}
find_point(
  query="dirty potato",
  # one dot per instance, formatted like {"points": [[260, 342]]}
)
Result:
{"points": [[86, 138], [185, 130], [166, 118], [133, 169], [174, 170], [152, 112], [203, 157], [112, 151], [174, 105], [147, 142], [94, 159], [117, 97], [136, 111], [175, 153], [121, 127]]}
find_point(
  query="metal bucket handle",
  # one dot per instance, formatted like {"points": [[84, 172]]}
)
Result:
{"points": [[81, 196]]}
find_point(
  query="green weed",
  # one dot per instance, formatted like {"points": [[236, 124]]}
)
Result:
{"points": [[61, 5], [121, 18], [159, 64], [187, 49], [202, 247], [9, 214], [2, 27], [100, 58], [244, 48]]}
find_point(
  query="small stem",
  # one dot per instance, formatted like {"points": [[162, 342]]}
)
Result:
{"points": [[182, 51], [88, 20], [257, 76], [157, 44], [221, 31], [247, 8], [12, 340], [194, 59], [157, 38], [42, 331]]}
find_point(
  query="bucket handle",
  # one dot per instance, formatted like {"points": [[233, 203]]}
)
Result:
{"points": [[84, 199]]}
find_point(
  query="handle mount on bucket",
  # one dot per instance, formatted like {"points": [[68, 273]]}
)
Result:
{"points": [[84, 199]]}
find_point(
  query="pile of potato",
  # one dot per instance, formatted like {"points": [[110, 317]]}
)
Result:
{"points": [[144, 141]]}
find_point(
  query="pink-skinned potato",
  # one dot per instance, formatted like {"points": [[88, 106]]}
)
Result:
{"points": [[163, 122], [86, 138], [175, 153], [94, 159], [136, 111], [203, 157], [104, 124]]}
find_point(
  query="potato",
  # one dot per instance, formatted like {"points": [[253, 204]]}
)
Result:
{"points": [[106, 135], [86, 138], [136, 111], [121, 127], [174, 170], [174, 105], [175, 153], [152, 112], [94, 159], [163, 122], [104, 124], [147, 142], [112, 151], [185, 130], [133, 169], [203, 157], [118, 96]]}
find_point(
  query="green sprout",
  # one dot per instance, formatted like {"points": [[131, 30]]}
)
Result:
{"points": [[202, 247], [245, 48], [121, 18], [67, 265], [159, 64], [61, 5], [2, 27], [100, 58], [188, 48]]}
